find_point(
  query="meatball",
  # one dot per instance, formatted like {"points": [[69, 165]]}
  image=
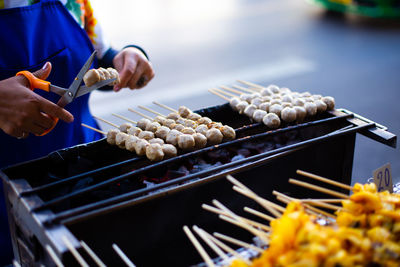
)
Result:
{"points": [[264, 106], [146, 135], [272, 120], [194, 116], [275, 101], [287, 98], [202, 128], [321, 106], [311, 108], [241, 106], [215, 125], [184, 111], [134, 130], [190, 124], [154, 152], [169, 151], [259, 114], [285, 90], [168, 123], [188, 130], [173, 116], [286, 104], [125, 127], [301, 113], [273, 88], [111, 134], [200, 140], [298, 102], [204, 120], [130, 143], [329, 101], [152, 126], [142, 123], [306, 94], [140, 147], [276, 108], [120, 139], [316, 97], [288, 114], [162, 132], [186, 141], [172, 137], [214, 136], [233, 102], [266, 92], [160, 119], [180, 121], [178, 127], [228, 132], [246, 97], [255, 95], [250, 109], [256, 101], [266, 99], [156, 141]]}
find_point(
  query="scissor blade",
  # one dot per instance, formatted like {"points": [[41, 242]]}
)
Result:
{"points": [[83, 90], [69, 96]]}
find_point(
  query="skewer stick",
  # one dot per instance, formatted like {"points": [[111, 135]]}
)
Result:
{"points": [[323, 179], [140, 113], [74, 252], [324, 200], [310, 209], [230, 89], [238, 242], [251, 84], [273, 208], [54, 256], [314, 203], [124, 118], [151, 111], [106, 121], [212, 245], [93, 255], [94, 129], [16, 263], [164, 106], [122, 255], [253, 223], [259, 214], [218, 94], [239, 222], [227, 248], [318, 188], [249, 90], [198, 247], [224, 92]]}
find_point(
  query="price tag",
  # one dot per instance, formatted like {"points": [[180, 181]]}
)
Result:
{"points": [[383, 178]]}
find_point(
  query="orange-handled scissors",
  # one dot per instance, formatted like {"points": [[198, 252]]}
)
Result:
{"points": [[67, 95]]}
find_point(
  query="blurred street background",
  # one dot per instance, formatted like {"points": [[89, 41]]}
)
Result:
{"points": [[197, 45]]}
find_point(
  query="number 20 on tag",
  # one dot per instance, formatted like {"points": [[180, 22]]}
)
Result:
{"points": [[383, 178]]}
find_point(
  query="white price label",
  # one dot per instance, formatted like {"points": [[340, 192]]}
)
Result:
{"points": [[383, 178]]}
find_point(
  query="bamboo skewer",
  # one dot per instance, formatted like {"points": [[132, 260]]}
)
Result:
{"points": [[164, 106], [318, 188], [224, 92], [211, 244], [230, 89], [325, 180], [238, 242], [239, 222], [244, 89], [324, 200], [141, 114], [218, 94], [74, 252], [54, 256], [124, 118], [315, 203], [268, 205], [198, 247], [221, 212], [106, 121], [94, 129], [251, 84], [16, 264], [151, 111], [259, 214], [122, 255], [310, 209], [227, 248], [93, 255]]}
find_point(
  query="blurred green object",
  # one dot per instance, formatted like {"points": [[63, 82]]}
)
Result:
{"points": [[370, 8]]}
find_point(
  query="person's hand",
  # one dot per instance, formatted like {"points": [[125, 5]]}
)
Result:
{"points": [[22, 111], [135, 71]]}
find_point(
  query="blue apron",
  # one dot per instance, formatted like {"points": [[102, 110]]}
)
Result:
{"points": [[29, 37]]}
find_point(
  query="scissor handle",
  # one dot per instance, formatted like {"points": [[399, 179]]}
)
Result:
{"points": [[36, 83]]}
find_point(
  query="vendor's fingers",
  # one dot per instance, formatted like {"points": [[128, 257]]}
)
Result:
{"points": [[146, 77], [54, 110], [43, 120], [127, 72], [140, 68], [44, 72], [14, 131], [34, 128]]}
